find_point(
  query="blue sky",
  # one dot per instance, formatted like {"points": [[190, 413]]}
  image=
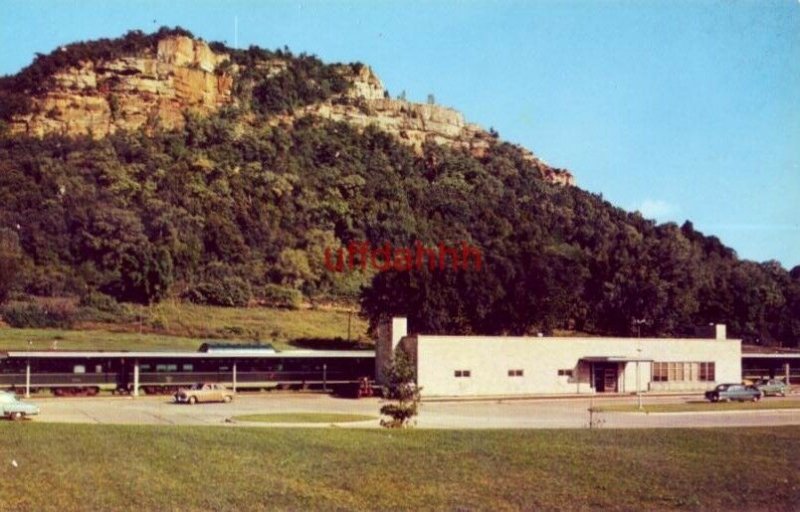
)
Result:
{"points": [[682, 110]]}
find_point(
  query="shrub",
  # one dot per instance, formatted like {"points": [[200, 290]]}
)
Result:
{"points": [[228, 292], [99, 307], [281, 297], [51, 281], [49, 314], [100, 302]]}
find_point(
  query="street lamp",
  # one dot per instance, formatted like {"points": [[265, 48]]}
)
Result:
{"points": [[638, 379], [638, 323]]}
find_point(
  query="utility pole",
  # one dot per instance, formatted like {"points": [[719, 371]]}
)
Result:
{"points": [[349, 321]]}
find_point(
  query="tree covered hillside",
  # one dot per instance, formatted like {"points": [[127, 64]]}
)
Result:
{"points": [[235, 207]]}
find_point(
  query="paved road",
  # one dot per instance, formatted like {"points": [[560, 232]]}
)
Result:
{"points": [[538, 413]]}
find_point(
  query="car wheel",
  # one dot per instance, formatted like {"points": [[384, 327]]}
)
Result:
{"points": [[192, 400], [16, 416], [227, 398], [715, 398], [757, 398]]}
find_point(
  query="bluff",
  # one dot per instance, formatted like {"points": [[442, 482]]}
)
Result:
{"points": [[157, 85], [155, 166], [130, 92]]}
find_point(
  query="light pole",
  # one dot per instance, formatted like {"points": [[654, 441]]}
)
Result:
{"points": [[638, 379], [638, 323]]}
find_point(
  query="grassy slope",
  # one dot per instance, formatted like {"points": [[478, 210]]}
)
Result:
{"points": [[179, 326], [698, 406], [83, 467], [91, 339]]}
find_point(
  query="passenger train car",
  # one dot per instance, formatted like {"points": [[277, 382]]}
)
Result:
{"points": [[248, 367]]}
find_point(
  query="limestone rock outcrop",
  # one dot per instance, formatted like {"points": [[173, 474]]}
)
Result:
{"points": [[99, 98], [157, 87], [365, 104]]}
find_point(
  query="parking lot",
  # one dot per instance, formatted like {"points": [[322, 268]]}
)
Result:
{"points": [[528, 413]]}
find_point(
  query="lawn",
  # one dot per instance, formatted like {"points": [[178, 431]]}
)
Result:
{"points": [[181, 326], [88, 467], [702, 406], [304, 417]]}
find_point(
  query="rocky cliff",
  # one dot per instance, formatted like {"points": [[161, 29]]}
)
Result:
{"points": [[157, 86], [366, 104], [128, 93]]}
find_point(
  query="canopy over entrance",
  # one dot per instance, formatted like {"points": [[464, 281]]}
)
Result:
{"points": [[615, 359]]}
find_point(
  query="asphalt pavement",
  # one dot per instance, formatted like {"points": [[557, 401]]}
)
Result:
{"points": [[462, 414]]}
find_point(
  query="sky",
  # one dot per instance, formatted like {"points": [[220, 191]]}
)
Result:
{"points": [[678, 109]]}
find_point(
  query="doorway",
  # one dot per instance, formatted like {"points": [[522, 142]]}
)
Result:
{"points": [[606, 377]]}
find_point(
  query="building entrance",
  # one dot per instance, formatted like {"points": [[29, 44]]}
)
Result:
{"points": [[606, 377]]}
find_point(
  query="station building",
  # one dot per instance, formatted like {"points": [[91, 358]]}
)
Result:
{"points": [[507, 366]]}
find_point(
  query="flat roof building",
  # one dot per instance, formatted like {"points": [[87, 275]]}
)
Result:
{"points": [[506, 365]]}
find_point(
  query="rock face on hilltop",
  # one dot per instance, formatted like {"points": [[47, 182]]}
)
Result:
{"points": [[417, 123], [128, 93], [156, 87]]}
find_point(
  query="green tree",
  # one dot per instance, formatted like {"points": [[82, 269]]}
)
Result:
{"points": [[401, 391], [10, 261], [145, 275]]}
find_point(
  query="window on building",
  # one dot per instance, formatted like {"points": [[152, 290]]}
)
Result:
{"points": [[707, 372], [565, 373], [682, 372], [659, 372], [463, 373], [515, 373]]}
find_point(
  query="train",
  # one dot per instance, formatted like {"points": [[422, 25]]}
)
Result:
{"points": [[254, 367]]}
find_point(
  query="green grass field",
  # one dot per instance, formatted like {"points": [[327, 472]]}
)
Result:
{"points": [[181, 326], [304, 417], [699, 406], [86, 467]]}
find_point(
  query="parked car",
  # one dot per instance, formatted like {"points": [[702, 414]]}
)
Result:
{"points": [[13, 409], [771, 387], [204, 392], [728, 392]]}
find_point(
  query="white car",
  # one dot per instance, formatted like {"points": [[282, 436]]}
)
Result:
{"points": [[13, 409]]}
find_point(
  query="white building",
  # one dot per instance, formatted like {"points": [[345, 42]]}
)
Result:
{"points": [[505, 365]]}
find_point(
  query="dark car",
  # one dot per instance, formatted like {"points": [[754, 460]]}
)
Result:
{"points": [[728, 392], [771, 387]]}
